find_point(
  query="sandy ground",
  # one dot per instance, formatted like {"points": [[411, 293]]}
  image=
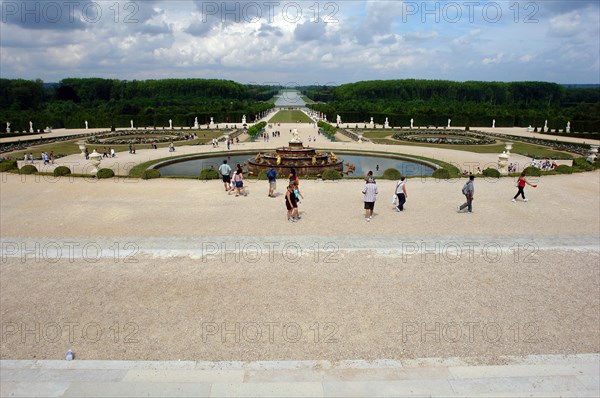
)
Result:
{"points": [[178, 269]]}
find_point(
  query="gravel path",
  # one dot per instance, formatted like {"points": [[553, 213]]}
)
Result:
{"points": [[178, 269]]}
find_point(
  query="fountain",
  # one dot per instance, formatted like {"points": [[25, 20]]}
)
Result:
{"points": [[306, 160]]}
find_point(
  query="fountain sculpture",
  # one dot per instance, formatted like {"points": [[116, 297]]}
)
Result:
{"points": [[306, 160]]}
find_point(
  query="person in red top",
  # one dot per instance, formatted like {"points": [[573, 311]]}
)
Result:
{"points": [[521, 185]]}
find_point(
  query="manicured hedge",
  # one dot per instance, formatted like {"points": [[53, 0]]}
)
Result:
{"points": [[28, 169], [442, 174], [331, 175], [150, 174], [209, 174], [564, 169], [105, 173], [61, 171], [532, 171], [490, 172], [392, 174], [8, 165]]}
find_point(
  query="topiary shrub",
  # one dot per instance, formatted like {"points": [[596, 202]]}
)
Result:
{"points": [[490, 172], [61, 171], [441, 174], [209, 174], [150, 174], [105, 173], [263, 175], [392, 174], [332, 175], [8, 165], [533, 171], [564, 169], [28, 169]]}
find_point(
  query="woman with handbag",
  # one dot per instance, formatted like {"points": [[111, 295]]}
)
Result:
{"points": [[401, 194]]}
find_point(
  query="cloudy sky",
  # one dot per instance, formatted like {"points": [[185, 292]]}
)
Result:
{"points": [[298, 43]]}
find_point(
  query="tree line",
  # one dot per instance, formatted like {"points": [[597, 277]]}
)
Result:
{"points": [[109, 102], [433, 102]]}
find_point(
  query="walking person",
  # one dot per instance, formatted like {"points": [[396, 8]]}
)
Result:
{"points": [[238, 179], [469, 191], [272, 176], [290, 203], [370, 194], [225, 171], [521, 186], [401, 193]]}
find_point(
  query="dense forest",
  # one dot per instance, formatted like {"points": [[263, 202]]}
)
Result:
{"points": [[105, 102], [433, 102]]}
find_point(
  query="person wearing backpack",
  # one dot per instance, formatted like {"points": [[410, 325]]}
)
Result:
{"points": [[469, 191]]}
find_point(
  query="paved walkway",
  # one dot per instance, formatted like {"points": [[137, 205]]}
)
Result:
{"points": [[533, 376]]}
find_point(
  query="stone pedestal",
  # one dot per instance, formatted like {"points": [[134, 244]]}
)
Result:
{"points": [[81, 145], [503, 163], [95, 159]]}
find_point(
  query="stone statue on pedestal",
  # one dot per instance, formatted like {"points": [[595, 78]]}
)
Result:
{"points": [[568, 129], [30, 126], [171, 124], [449, 120], [494, 123], [131, 122], [8, 127], [411, 123], [86, 124]]}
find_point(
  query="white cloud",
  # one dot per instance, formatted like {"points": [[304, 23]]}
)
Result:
{"points": [[369, 41]]}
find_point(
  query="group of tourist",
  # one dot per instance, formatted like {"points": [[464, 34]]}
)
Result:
{"points": [[233, 182], [545, 165], [108, 153], [47, 158]]}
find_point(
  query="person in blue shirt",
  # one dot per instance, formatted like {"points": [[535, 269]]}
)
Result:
{"points": [[272, 176]]}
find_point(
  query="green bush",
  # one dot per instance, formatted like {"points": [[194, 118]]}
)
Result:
{"points": [[254, 130], [582, 164], [61, 171], [490, 172], [28, 169], [105, 173], [8, 165], [596, 163], [532, 171], [391, 174], [150, 174], [332, 175], [209, 174], [263, 175], [442, 174], [564, 169]]}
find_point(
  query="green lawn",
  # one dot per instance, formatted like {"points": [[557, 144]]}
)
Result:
{"points": [[521, 148], [290, 117], [72, 148]]}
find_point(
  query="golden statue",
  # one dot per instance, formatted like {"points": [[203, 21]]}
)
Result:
{"points": [[278, 160], [257, 158], [314, 160], [333, 157]]}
